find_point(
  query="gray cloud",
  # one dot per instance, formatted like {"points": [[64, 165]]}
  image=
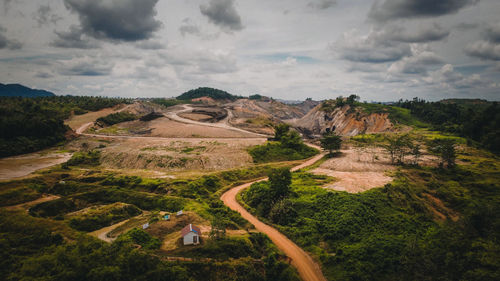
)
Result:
{"points": [[493, 32], [43, 75], [222, 13], [44, 15], [150, 45], [73, 39], [372, 48], [402, 9], [484, 50], [322, 4], [489, 48], [116, 20], [86, 67], [430, 33], [188, 27], [6, 5], [466, 26], [416, 64], [6, 43]]}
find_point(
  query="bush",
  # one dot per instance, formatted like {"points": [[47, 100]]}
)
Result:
{"points": [[91, 158], [115, 118], [274, 152], [141, 237], [104, 216]]}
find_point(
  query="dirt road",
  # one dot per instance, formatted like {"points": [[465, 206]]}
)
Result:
{"points": [[308, 269]]}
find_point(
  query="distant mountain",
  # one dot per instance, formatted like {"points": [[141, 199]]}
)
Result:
{"points": [[16, 90], [215, 94]]}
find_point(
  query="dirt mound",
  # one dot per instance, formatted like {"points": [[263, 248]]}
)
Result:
{"points": [[343, 121]]}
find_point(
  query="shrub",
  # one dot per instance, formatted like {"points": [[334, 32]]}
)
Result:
{"points": [[115, 118]]}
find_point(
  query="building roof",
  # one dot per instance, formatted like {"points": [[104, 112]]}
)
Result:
{"points": [[190, 228]]}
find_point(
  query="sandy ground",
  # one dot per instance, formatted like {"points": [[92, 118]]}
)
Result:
{"points": [[163, 127], [76, 121], [308, 269], [357, 171], [23, 165]]}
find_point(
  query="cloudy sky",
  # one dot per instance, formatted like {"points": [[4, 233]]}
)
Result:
{"points": [[289, 49]]}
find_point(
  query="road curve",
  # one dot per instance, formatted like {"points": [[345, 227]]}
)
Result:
{"points": [[308, 269]]}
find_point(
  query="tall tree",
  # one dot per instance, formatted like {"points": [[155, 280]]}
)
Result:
{"points": [[280, 180], [281, 130], [331, 142]]}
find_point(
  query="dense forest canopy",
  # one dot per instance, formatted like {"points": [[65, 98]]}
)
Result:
{"points": [[475, 120], [215, 94], [31, 124]]}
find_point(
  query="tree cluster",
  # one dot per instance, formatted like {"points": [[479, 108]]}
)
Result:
{"points": [[478, 122]]}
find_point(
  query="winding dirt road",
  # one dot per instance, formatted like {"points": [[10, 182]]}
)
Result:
{"points": [[308, 269]]}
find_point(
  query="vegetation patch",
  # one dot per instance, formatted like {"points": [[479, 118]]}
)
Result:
{"points": [[215, 94], [94, 218], [115, 118], [31, 124], [288, 145]]}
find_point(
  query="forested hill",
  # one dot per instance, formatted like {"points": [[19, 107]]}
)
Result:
{"points": [[17, 90], [28, 124], [476, 120], [215, 94]]}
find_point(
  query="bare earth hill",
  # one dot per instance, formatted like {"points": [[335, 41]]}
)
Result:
{"points": [[343, 121]]}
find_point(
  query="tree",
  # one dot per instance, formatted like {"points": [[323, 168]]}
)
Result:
{"points": [[280, 130], [398, 147], [415, 151], [331, 142], [280, 180], [445, 149], [291, 139], [218, 230], [283, 212], [351, 99]]}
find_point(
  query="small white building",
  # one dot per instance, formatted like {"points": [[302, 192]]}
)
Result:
{"points": [[191, 235]]}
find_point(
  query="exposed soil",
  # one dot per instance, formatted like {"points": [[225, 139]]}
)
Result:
{"points": [[178, 154], [23, 165], [342, 121], [76, 121], [356, 170]]}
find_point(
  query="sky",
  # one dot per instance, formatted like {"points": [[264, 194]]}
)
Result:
{"points": [[382, 50]]}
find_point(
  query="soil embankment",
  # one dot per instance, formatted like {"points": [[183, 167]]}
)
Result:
{"points": [[344, 121]]}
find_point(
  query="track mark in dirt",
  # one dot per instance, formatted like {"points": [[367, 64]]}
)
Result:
{"points": [[308, 269]]}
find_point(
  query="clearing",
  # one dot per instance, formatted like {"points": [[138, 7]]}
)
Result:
{"points": [[357, 170]]}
